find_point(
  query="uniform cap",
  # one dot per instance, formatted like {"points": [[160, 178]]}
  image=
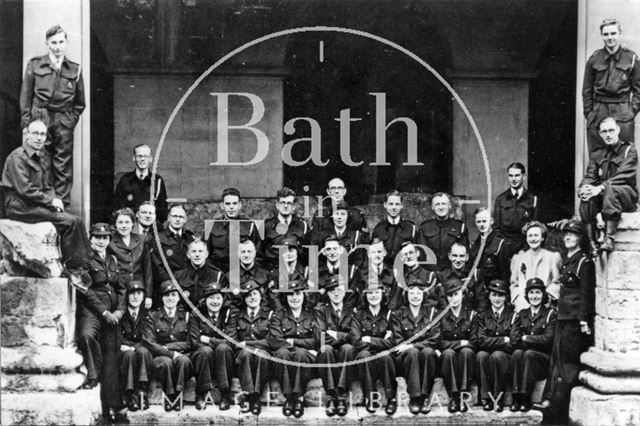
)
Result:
{"points": [[499, 286], [249, 286], [100, 228], [168, 286], [211, 288], [296, 285], [135, 285], [575, 227], [535, 283], [291, 242], [332, 281], [452, 285], [416, 282]]}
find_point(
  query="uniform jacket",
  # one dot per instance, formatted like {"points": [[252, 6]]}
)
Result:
{"points": [[355, 221], [491, 333], [175, 250], [434, 293], [454, 329], [24, 180], [134, 261], [353, 298], [393, 292], [164, 336], [303, 330], [393, 236], [328, 320], [106, 292], [469, 295], [198, 327], [44, 88], [299, 272], [349, 239], [253, 331], [132, 331], [131, 191], [493, 245], [439, 236], [297, 228], [378, 327], [405, 326], [578, 280], [539, 329], [258, 274], [612, 166], [525, 266], [218, 240], [610, 78], [195, 280], [511, 214]]}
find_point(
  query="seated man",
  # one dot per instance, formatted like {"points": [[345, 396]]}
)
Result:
{"points": [[145, 218], [30, 199], [609, 185], [393, 230]]}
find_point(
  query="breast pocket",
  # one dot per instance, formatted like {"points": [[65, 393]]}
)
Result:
{"points": [[288, 328]]}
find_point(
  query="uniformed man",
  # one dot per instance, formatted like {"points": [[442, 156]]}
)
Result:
{"points": [[174, 243], [332, 252], [393, 230], [609, 185], [212, 357], [442, 231], [198, 273], [460, 268], [101, 307], [135, 359], [250, 270], [166, 335], [52, 91], [492, 243], [218, 241], [495, 347], [145, 218], [376, 272], [412, 270], [532, 337], [611, 86], [336, 191], [334, 320], [513, 209], [284, 225], [29, 198]]}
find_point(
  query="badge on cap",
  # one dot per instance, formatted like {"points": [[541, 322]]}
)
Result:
{"points": [[130, 197], [69, 85], [623, 77], [169, 252]]}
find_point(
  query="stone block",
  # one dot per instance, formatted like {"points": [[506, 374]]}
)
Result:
{"points": [[627, 236], [621, 271], [611, 384], [40, 359], [617, 304], [617, 335], [51, 408], [612, 363], [589, 407], [35, 311], [30, 249], [69, 382]]}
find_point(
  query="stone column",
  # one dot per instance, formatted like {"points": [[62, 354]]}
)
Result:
{"points": [[611, 391]]}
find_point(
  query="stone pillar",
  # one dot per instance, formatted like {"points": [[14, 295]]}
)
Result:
{"points": [[611, 391]]}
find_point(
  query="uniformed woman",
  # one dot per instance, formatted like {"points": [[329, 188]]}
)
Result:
{"points": [[458, 330], [371, 334], [293, 336], [494, 345], [532, 336], [132, 252], [166, 335], [136, 362], [212, 357], [250, 327], [100, 309], [574, 322], [416, 361]]}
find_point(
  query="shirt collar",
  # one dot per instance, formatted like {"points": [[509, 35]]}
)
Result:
{"points": [[497, 312], [176, 232], [29, 150], [55, 61], [518, 192], [134, 311], [170, 314], [282, 219], [144, 173], [393, 221]]}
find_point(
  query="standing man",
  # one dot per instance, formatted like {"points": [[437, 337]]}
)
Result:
{"points": [[611, 85], [135, 187], [609, 185], [492, 243], [145, 218], [53, 91], [336, 190], [442, 231], [393, 230], [513, 209]]}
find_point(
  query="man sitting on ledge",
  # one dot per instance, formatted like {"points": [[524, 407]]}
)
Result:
{"points": [[30, 199], [609, 185]]}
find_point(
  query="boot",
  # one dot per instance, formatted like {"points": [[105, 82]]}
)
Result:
{"points": [[592, 240], [609, 237]]}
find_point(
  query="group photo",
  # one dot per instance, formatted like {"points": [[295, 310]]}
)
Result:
{"points": [[313, 211]]}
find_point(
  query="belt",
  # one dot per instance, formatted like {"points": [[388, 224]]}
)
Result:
{"points": [[620, 99]]}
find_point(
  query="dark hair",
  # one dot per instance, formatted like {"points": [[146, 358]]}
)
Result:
{"points": [[480, 210], [284, 192], [459, 244], [610, 21], [608, 118], [126, 211], [545, 296], [394, 193], [518, 166], [441, 194], [141, 145], [176, 206], [230, 191], [56, 29], [147, 203]]}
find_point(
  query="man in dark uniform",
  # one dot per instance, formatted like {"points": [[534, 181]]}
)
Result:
{"points": [[492, 243], [174, 241], [285, 224], [29, 198], [460, 268], [609, 184], [218, 236], [135, 187], [442, 231], [377, 273], [332, 252], [611, 86], [53, 91], [393, 230], [198, 273], [336, 191], [250, 270], [435, 295], [334, 321], [513, 209], [145, 218]]}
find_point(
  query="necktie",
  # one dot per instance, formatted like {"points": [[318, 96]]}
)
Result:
{"points": [[252, 314], [496, 315], [339, 313], [134, 316]]}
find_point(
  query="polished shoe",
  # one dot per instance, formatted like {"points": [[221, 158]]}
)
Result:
{"points": [[369, 406], [133, 401], [167, 403], [487, 404], [287, 408], [110, 416], [525, 406], [90, 384], [414, 405], [391, 407], [256, 406], [514, 407], [200, 401], [330, 407], [453, 405], [225, 400], [341, 407], [298, 408], [463, 406], [426, 406], [499, 407]]}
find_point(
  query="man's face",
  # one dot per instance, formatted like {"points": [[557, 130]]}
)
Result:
{"points": [[393, 206], [135, 298], [441, 206], [611, 37], [142, 157], [340, 218], [231, 205], [177, 218], [57, 44], [516, 178], [285, 205], [332, 250], [36, 135], [610, 132], [458, 257], [197, 253], [100, 242], [336, 189], [146, 215], [247, 252], [376, 253], [483, 222], [336, 294], [409, 255]]}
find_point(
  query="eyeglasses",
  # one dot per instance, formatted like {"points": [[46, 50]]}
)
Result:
{"points": [[142, 156], [605, 131], [286, 203], [334, 188]]}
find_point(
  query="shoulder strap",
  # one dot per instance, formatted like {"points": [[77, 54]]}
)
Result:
{"points": [[462, 228], [549, 315], [413, 230], [388, 315], [80, 69], [580, 265], [535, 201], [499, 246], [186, 317], [626, 152], [270, 314], [513, 318], [471, 315]]}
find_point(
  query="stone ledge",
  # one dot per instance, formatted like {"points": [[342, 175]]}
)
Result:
{"points": [[610, 385], [69, 382], [612, 363], [30, 249], [589, 407], [81, 408], [40, 359], [627, 237], [617, 335], [620, 271]]}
